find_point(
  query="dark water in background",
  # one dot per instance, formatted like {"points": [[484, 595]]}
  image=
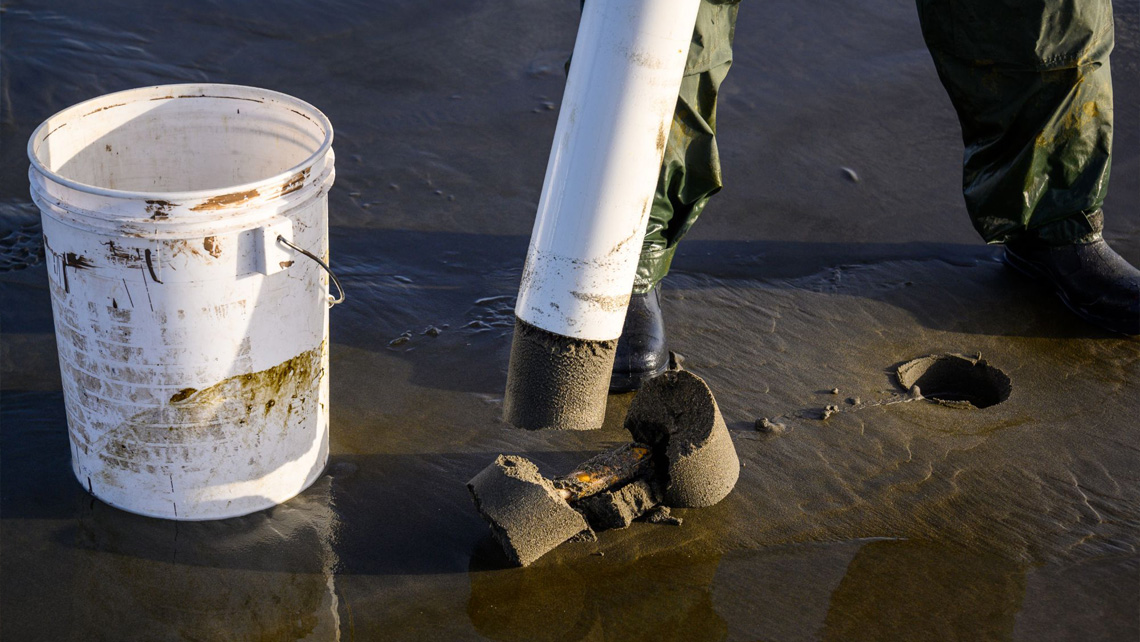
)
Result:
{"points": [[907, 521]]}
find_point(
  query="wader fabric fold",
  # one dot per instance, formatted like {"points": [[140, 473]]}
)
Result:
{"points": [[1029, 80], [1031, 84], [690, 169]]}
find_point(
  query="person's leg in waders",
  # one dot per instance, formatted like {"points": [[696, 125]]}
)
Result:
{"points": [[690, 174], [1030, 82]]}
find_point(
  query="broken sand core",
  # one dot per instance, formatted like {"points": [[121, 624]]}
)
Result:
{"points": [[956, 380]]}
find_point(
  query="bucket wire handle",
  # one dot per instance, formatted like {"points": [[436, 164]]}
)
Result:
{"points": [[340, 290]]}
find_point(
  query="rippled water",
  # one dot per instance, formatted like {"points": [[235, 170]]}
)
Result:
{"points": [[900, 521]]}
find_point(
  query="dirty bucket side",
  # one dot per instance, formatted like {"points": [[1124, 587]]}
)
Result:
{"points": [[193, 343]]}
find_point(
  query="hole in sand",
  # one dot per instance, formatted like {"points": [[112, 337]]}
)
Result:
{"points": [[956, 380]]}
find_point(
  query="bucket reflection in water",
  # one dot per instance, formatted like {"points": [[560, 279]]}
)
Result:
{"points": [[266, 576]]}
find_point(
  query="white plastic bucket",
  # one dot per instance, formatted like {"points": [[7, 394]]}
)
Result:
{"points": [[193, 343]]}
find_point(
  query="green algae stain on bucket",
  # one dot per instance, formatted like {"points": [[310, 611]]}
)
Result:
{"points": [[193, 346]]}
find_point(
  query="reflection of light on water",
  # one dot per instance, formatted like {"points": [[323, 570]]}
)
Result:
{"points": [[866, 589], [664, 596], [331, 607], [869, 589], [488, 313], [323, 520], [270, 575]]}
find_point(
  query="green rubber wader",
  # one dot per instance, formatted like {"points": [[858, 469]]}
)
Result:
{"points": [[690, 169], [1030, 82]]}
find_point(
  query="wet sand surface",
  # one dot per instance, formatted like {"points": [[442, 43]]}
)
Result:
{"points": [[885, 521]]}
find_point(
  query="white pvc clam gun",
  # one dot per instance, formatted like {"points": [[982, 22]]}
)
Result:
{"points": [[192, 329], [613, 127]]}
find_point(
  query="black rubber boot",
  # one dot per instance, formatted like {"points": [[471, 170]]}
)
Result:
{"points": [[641, 352], [1093, 280]]}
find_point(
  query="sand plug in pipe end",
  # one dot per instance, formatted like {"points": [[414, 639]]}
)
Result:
{"points": [[615, 509], [687, 460], [694, 457], [531, 515], [556, 382], [527, 514]]}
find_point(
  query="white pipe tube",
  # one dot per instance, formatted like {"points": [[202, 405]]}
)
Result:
{"points": [[615, 117], [628, 62]]}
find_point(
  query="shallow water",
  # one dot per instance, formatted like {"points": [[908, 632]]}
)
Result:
{"points": [[908, 521]]}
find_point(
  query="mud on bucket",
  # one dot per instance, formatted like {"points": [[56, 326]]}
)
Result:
{"points": [[192, 329]]}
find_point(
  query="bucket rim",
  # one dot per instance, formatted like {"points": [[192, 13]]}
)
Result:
{"points": [[197, 90]]}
